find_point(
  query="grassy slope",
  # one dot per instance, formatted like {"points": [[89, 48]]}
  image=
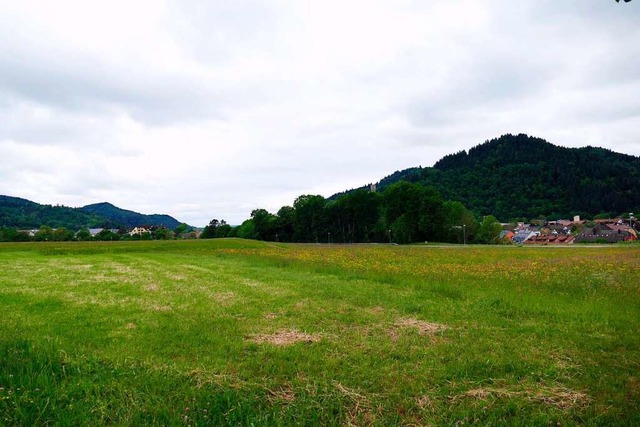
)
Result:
{"points": [[169, 333]]}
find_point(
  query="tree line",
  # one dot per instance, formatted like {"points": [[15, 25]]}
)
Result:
{"points": [[403, 213], [63, 234]]}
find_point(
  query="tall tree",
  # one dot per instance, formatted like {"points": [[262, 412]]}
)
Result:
{"points": [[459, 223], [432, 218], [210, 230], [285, 224], [489, 231], [310, 216], [83, 234], [264, 224], [402, 202]]}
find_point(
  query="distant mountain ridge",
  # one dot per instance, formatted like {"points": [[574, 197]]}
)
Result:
{"points": [[129, 218], [519, 176], [22, 213]]}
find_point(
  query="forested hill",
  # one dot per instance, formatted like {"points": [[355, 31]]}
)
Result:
{"points": [[518, 176], [21, 213], [129, 218]]}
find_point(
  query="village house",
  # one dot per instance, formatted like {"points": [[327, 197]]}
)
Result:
{"points": [[610, 233], [522, 236], [550, 239], [507, 235], [95, 231], [138, 231]]}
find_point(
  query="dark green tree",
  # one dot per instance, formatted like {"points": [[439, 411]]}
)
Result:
{"points": [[224, 230], [61, 234], [210, 231], [163, 233], [489, 231], [44, 234], [354, 217], [180, 230], [285, 224], [432, 216], [108, 235], [264, 224], [83, 234], [9, 234], [401, 211], [309, 222], [247, 230]]}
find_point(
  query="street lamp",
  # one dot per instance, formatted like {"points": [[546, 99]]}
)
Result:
{"points": [[462, 227], [389, 235], [329, 237]]}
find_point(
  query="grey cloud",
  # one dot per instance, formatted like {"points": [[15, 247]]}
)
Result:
{"points": [[86, 85]]}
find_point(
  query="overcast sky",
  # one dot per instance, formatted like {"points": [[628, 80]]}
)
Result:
{"points": [[210, 109]]}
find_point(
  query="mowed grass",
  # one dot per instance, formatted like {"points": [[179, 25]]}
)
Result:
{"points": [[232, 332]]}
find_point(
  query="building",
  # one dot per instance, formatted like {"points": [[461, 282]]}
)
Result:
{"points": [[550, 239], [138, 231], [607, 233]]}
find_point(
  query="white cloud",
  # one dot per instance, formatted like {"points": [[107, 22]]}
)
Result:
{"points": [[210, 109]]}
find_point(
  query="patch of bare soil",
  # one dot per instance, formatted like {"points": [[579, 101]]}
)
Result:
{"points": [[285, 337], [152, 287]]}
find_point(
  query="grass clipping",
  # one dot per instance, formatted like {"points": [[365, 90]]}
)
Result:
{"points": [[285, 337]]}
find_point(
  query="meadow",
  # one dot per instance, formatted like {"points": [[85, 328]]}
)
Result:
{"points": [[234, 332]]}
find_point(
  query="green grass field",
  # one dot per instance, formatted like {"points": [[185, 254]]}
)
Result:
{"points": [[232, 332]]}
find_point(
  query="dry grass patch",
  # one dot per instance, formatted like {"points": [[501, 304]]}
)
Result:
{"points": [[224, 297], [425, 403], [158, 307], [79, 267], [271, 316], [558, 396], [284, 394], [121, 268], [424, 328], [285, 337], [251, 283], [360, 411], [376, 310]]}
